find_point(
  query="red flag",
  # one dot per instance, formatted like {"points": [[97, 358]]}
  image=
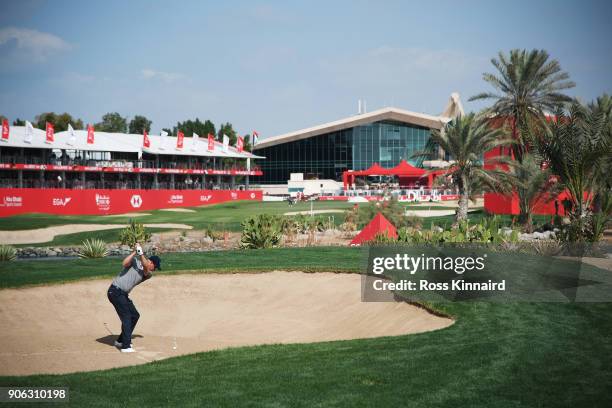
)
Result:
{"points": [[5, 130], [145, 140], [211, 143], [240, 144], [90, 134], [179, 140], [50, 133]]}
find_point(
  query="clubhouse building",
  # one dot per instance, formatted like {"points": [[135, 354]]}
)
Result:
{"points": [[385, 137]]}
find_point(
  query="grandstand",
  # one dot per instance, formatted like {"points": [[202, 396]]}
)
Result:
{"points": [[33, 160]]}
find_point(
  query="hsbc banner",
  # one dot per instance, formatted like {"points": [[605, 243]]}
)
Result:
{"points": [[101, 202]]}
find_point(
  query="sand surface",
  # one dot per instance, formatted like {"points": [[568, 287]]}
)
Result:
{"points": [[130, 214], [308, 212], [71, 327], [182, 210], [47, 234]]}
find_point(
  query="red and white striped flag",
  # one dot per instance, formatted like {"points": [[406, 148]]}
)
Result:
{"points": [[240, 144], [50, 133], [90, 134], [179, 139], [5, 130], [211, 143], [145, 140], [255, 138]]}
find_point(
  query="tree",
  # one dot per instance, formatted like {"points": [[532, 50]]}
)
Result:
{"points": [[528, 84], [227, 129], [189, 127], [139, 124], [535, 185], [19, 122], [466, 139], [577, 147], [60, 121], [112, 122], [247, 143]]}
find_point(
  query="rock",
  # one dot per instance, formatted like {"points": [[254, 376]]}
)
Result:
{"points": [[50, 252]]}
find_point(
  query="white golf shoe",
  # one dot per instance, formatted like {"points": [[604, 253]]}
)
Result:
{"points": [[119, 344], [128, 350]]}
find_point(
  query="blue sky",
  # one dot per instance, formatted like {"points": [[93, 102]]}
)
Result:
{"points": [[279, 66]]}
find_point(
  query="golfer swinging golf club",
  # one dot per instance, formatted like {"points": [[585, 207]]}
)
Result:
{"points": [[136, 269]]}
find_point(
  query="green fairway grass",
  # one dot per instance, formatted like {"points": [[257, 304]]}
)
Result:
{"points": [[495, 355], [219, 217], [226, 216]]}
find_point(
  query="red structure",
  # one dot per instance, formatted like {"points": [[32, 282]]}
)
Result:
{"points": [[407, 174], [378, 225], [496, 203], [62, 201]]}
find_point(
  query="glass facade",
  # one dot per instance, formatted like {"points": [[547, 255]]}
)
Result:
{"points": [[327, 156]]}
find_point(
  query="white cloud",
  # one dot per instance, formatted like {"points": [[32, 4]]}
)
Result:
{"points": [[148, 73], [32, 43]]}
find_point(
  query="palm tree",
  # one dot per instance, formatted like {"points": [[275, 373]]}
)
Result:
{"points": [[578, 147], [466, 139], [528, 84], [534, 186]]}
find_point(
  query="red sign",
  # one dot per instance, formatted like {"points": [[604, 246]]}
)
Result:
{"points": [[179, 140], [50, 133], [211, 143], [99, 202], [90, 134], [240, 144], [145, 140], [5, 130]]}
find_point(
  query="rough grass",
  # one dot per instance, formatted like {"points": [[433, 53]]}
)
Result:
{"points": [[495, 355], [312, 259]]}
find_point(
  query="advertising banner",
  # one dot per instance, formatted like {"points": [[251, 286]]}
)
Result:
{"points": [[101, 202]]}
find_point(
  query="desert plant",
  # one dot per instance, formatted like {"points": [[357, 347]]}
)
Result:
{"points": [[212, 234], [7, 253], [289, 228], [577, 147], [93, 248], [133, 233], [260, 231], [382, 238]]}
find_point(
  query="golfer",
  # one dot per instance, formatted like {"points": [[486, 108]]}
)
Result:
{"points": [[136, 269]]}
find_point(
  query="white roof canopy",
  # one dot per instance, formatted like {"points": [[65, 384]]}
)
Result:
{"points": [[120, 142], [453, 109]]}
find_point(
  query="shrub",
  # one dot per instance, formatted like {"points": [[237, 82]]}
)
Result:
{"points": [[93, 248], [391, 209], [7, 253], [133, 233], [487, 231], [212, 234], [260, 231]]}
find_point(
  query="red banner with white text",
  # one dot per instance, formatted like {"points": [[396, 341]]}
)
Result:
{"points": [[101, 202]]}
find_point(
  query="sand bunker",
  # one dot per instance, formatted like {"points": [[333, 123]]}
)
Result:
{"points": [[71, 327], [34, 236], [182, 210], [308, 212], [130, 214]]}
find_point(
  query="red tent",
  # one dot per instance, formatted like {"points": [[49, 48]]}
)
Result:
{"points": [[406, 169], [378, 225], [408, 174]]}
